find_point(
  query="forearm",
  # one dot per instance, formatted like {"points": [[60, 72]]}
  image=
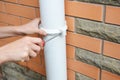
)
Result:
{"points": [[10, 31], [28, 28], [3, 58]]}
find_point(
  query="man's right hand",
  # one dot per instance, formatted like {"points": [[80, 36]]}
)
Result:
{"points": [[21, 50]]}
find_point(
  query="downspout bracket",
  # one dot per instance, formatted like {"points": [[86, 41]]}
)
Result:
{"points": [[53, 33], [61, 31]]}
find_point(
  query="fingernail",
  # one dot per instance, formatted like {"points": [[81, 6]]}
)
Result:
{"points": [[43, 43]]}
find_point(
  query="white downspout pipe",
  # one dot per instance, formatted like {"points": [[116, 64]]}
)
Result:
{"points": [[53, 21]]}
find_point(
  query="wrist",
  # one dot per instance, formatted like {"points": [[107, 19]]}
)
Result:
{"points": [[19, 30]]}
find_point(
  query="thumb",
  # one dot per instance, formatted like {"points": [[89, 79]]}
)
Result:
{"points": [[42, 32]]}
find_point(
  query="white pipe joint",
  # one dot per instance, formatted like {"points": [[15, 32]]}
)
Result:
{"points": [[61, 31]]}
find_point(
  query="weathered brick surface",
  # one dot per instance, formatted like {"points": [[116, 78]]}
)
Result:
{"points": [[88, 57], [82, 77], [12, 71], [98, 60], [91, 1], [98, 30], [108, 2]]}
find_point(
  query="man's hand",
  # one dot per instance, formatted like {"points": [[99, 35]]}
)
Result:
{"points": [[32, 27], [21, 50]]}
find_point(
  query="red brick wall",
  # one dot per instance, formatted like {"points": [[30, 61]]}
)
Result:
{"points": [[16, 12]]}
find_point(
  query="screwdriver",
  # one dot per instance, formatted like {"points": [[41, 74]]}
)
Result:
{"points": [[51, 34]]}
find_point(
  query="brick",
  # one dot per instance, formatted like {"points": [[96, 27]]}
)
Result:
{"points": [[85, 42], [112, 15], [110, 64], [84, 10], [88, 57], [84, 69], [70, 52], [14, 1], [24, 64], [14, 71], [2, 6], [3, 24], [10, 19], [109, 76], [25, 20], [70, 23], [92, 1], [42, 58], [37, 60], [37, 68], [97, 29], [37, 12], [19, 10], [5, 41], [79, 76], [71, 75], [112, 2], [29, 2], [112, 49]]}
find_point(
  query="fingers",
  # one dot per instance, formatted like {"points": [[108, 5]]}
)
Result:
{"points": [[32, 54], [38, 41], [35, 40], [41, 32], [25, 57], [36, 20], [35, 47]]}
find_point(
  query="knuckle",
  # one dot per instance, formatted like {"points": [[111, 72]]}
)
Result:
{"points": [[25, 55], [39, 39], [38, 49], [35, 55]]}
